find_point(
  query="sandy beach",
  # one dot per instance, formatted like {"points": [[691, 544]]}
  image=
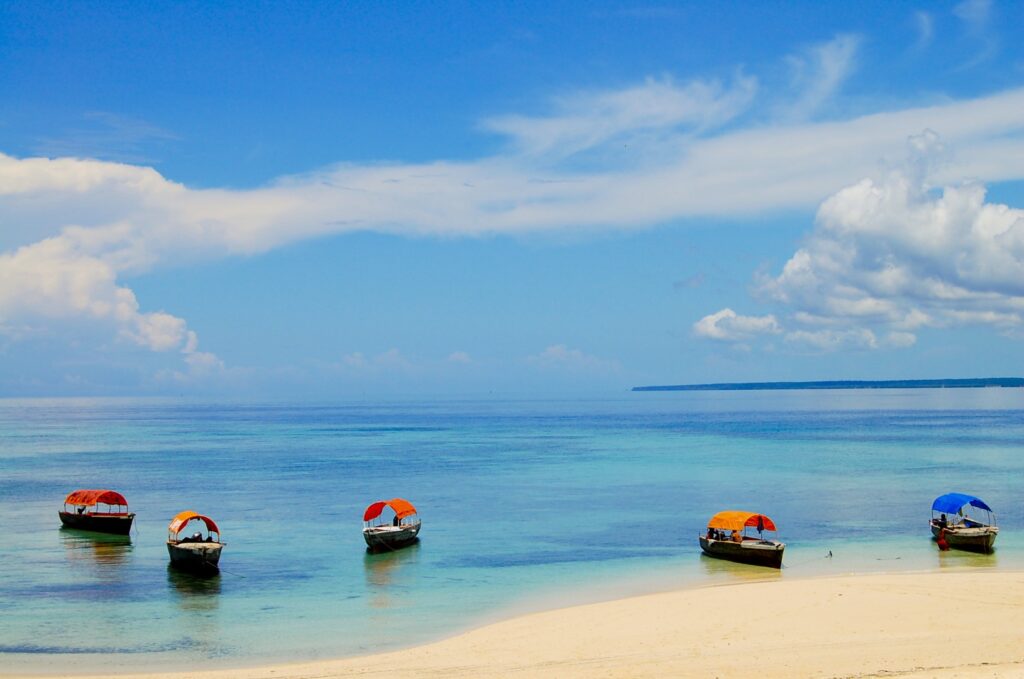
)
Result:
{"points": [[956, 624]]}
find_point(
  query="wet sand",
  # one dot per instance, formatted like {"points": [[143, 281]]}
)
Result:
{"points": [[953, 624]]}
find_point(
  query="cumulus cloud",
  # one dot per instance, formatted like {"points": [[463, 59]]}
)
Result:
{"points": [[75, 228], [891, 253], [729, 326], [893, 256]]}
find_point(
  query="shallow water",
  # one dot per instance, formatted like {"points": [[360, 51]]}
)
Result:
{"points": [[526, 505]]}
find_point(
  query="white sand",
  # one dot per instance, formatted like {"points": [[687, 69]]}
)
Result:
{"points": [[960, 624]]}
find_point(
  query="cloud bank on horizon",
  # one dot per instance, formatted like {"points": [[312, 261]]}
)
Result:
{"points": [[887, 257]]}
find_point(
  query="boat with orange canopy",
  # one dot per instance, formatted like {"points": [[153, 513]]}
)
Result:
{"points": [[199, 551], [103, 511], [390, 532], [727, 537]]}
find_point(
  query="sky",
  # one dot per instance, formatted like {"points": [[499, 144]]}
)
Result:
{"points": [[389, 200]]}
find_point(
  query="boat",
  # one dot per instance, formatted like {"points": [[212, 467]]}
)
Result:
{"points": [[958, 526], [198, 553], [727, 538], [400, 531], [102, 511]]}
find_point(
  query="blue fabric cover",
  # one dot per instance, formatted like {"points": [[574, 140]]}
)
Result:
{"points": [[951, 503]]}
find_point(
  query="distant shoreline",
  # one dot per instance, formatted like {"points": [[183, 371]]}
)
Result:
{"points": [[969, 383]]}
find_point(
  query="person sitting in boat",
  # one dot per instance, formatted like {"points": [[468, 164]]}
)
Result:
{"points": [[943, 521], [81, 509], [395, 522], [711, 533], [737, 536]]}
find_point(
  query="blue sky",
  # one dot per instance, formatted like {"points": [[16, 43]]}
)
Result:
{"points": [[370, 200]]}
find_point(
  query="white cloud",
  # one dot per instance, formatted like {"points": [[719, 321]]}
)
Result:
{"points": [[818, 74], [561, 357], [925, 26], [975, 14], [834, 340], [583, 121], [75, 228], [727, 325], [890, 255], [460, 357], [391, 360]]}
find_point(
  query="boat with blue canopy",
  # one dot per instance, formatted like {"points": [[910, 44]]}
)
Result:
{"points": [[963, 521]]}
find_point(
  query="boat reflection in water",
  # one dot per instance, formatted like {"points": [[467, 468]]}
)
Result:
{"points": [[88, 548], [390, 574], [199, 591]]}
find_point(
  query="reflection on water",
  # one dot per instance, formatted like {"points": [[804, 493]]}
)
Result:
{"points": [[731, 571], [958, 558], [389, 572], [198, 600], [199, 591], [95, 549]]}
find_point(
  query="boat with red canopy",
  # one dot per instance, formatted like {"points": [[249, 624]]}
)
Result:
{"points": [[103, 511], [200, 551], [727, 537], [398, 528]]}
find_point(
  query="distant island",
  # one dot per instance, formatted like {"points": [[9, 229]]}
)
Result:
{"points": [[970, 383]]}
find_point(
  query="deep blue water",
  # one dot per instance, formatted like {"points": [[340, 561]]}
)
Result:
{"points": [[525, 504]]}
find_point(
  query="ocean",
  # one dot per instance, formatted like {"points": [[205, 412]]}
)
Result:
{"points": [[526, 505]]}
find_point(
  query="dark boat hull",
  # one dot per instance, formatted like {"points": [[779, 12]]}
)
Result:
{"points": [[752, 552], [981, 539], [384, 538], [114, 524], [196, 557]]}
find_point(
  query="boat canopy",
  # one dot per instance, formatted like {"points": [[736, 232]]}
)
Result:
{"points": [[90, 498], [402, 508], [178, 522], [734, 520], [951, 503]]}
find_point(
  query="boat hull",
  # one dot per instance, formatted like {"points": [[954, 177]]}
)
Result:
{"points": [[382, 538], [754, 552], [114, 524], [198, 557], [980, 539]]}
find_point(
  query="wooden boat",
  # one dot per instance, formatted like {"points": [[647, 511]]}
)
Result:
{"points": [[102, 511], [198, 553], [959, 526], [399, 531], [727, 538]]}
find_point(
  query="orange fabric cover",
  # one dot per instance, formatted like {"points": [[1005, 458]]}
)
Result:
{"points": [[737, 520], [90, 498], [402, 508], [178, 522]]}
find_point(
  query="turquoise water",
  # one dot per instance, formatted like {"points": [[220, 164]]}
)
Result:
{"points": [[525, 505]]}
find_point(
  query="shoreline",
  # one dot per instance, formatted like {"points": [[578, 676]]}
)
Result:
{"points": [[961, 623]]}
